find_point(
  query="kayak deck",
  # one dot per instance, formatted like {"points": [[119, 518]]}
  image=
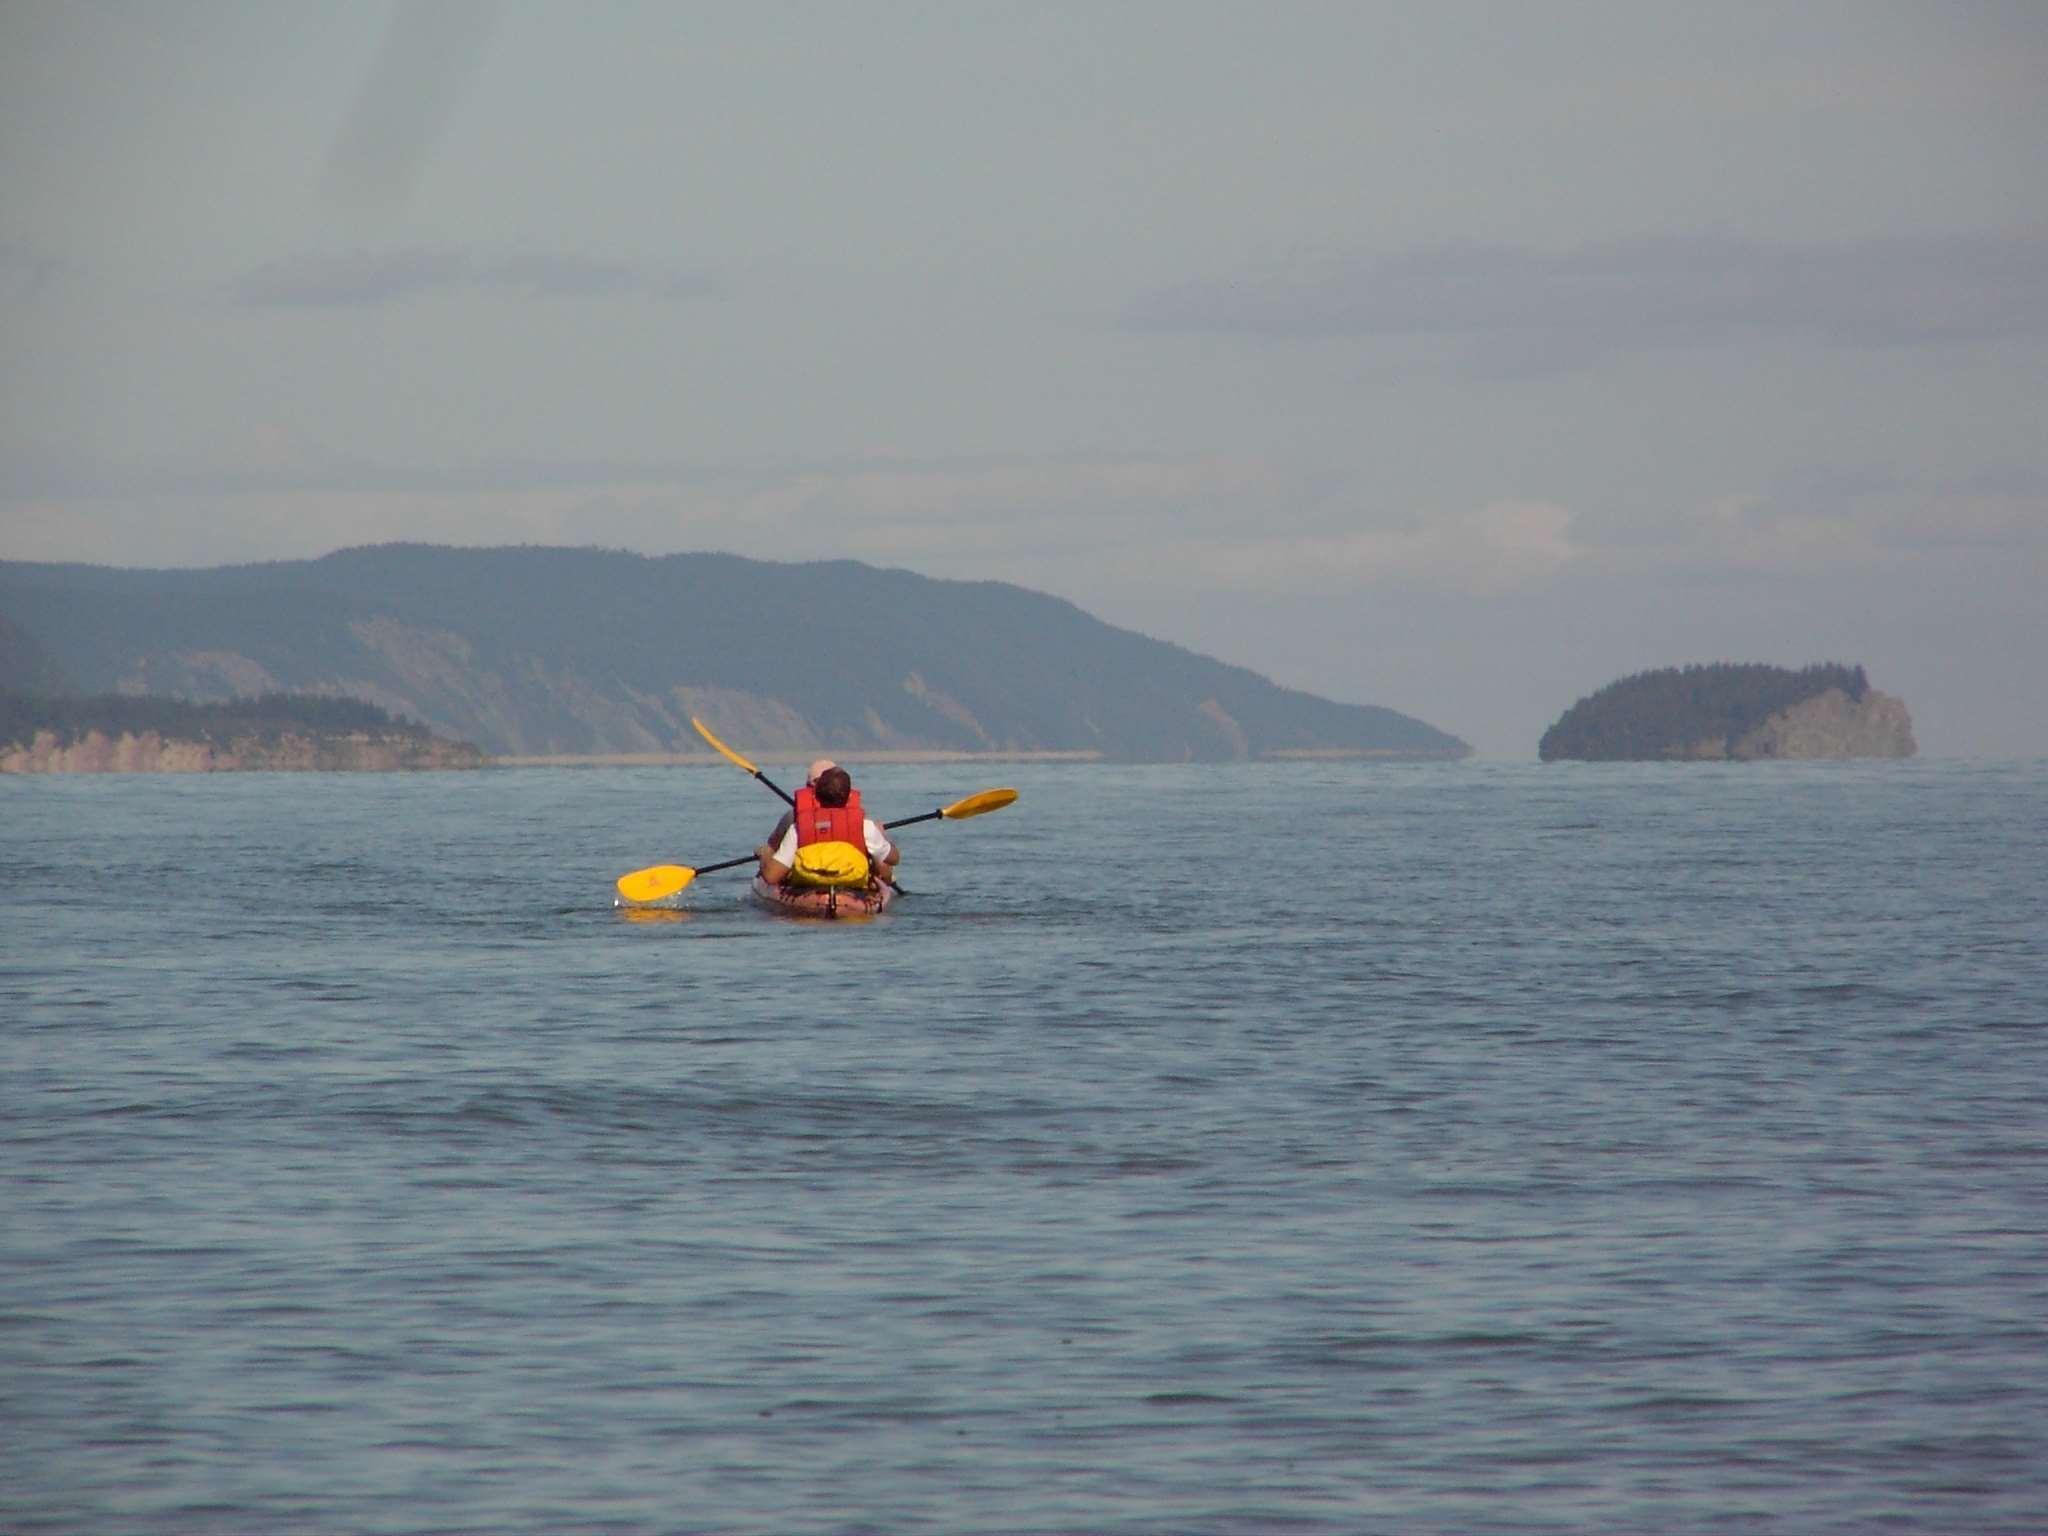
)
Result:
{"points": [[812, 901]]}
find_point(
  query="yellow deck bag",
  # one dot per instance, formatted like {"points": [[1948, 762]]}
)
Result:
{"points": [[839, 865]]}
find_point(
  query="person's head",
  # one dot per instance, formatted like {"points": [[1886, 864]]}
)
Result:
{"points": [[822, 765], [833, 786]]}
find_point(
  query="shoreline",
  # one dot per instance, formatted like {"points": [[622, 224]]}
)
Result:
{"points": [[785, 757], [777, 757], [152, 754], [797, 758]]}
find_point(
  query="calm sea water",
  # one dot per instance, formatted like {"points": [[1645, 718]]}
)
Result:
{"points": [[1319, 1148]]}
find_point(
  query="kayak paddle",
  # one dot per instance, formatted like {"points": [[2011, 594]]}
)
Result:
{"points": [[660, 880], [740, 762], [974, 805], [666, 879]]}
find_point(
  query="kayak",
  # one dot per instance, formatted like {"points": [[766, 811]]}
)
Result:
{"points": [[817, 901]]}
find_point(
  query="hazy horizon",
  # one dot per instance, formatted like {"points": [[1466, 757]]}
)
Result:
{"points": [[1458, 359], [685, 753]]}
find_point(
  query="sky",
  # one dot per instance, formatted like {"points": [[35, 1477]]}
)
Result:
{"points": [[1454, 357]]}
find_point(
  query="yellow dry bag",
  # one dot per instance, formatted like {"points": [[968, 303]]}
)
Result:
{"points": [[840, 865]]}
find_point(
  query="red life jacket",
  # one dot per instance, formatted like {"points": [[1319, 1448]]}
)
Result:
{"points": [[817, 823]]}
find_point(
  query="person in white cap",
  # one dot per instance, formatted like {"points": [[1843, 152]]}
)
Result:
{"points": [[827, 788], [822, 765]]}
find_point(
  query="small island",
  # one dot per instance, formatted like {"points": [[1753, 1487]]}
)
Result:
{"points": [[130, 733], [1733, 712]]}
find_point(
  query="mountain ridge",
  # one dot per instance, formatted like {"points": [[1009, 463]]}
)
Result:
{"points": [[542, 650]]}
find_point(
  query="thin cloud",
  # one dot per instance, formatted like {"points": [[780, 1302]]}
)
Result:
{"points": [[1742, 536], [1135, 525], [349, 279], [25, 273], [1568, 308], [431, 48], [1851, 536], [1501, 547], [369, 279]]}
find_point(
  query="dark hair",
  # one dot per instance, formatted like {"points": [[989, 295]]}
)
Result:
{"points": [[833, 786]]}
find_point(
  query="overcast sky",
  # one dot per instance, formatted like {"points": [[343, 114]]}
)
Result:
{"points": [[1453, 357]]}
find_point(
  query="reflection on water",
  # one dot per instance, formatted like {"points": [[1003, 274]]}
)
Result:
{"points": [[646, 912]]}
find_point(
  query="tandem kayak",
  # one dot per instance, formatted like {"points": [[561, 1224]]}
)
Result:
{"points": [[815, 901]]}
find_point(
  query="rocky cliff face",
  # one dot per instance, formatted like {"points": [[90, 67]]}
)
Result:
{"points": [[96, 752], [1832, 724]]}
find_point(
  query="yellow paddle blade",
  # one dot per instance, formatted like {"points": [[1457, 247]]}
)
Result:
{"points": [[979, 805], [721, 748], [653, 884]]}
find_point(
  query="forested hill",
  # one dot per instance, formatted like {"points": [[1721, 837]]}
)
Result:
{"points": [[42, 732], [265, 717], [1733, 711], [532, 651], [24, 666]]}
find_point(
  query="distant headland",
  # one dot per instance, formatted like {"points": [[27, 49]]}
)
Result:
{"points": [[587, 654], [1726, 711]]}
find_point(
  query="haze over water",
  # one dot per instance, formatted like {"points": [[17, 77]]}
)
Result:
{"points": [[1318, 1147]]}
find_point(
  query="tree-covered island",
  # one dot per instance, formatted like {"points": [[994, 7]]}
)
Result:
{"points": [[1728, 710]]}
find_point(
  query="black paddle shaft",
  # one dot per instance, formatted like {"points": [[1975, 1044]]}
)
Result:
{"points": [[787, 798]]}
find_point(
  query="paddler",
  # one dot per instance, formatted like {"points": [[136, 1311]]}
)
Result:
{"points": [[828, 839], [822, 765]]}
